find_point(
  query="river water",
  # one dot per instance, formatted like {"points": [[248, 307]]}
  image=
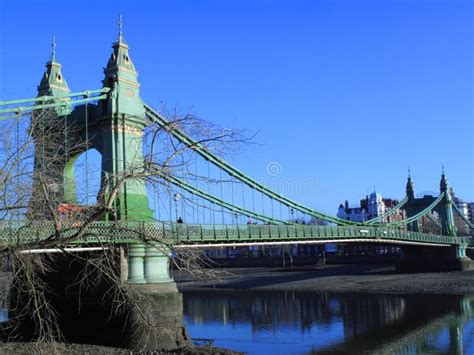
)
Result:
{"points": [[284, 322], [299, 322]]}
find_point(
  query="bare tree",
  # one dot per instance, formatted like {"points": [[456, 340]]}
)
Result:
{"points": [[33, 155]]}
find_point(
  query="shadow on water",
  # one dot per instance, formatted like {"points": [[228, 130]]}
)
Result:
{"points": [[299, 322]]}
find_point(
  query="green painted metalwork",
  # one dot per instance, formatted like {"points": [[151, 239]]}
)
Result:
{"points": [[208, 197], [117, 129], [114, 128], [86, 93], [23, 109], [156, 264], [121, 144], [124, 96], [18, 233], [422, 213], [461, 250], [209, 156], [437, 223], [136, 255], [447, 218], [391, 211], [463, 217], [184, 138]]}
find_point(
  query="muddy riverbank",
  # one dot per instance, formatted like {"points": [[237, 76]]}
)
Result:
{"points": [[86, 349], [376, 278]]}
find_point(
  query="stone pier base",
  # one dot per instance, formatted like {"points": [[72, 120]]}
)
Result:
{"points": [[88, 313], [470, 253], [157, 325], [157, 321]]}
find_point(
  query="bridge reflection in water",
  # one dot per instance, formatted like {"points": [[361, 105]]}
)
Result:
{"points": [[298, 322]]}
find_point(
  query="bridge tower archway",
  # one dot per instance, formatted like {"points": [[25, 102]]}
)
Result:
{"points": [[82, 177]]}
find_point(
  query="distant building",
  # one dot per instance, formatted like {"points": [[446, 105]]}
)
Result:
{"points": [[370, 207], [470, 208]]}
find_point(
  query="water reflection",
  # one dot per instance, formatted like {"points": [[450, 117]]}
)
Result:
{"points": [[294, 322]]}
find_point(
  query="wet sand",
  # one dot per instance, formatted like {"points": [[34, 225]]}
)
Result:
{"points": [[332, 278]]}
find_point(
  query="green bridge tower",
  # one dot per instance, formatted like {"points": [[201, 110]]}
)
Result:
{"points": [[114, 127], [446, 208]]}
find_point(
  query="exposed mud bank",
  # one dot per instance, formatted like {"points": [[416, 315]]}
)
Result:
{"points": [[377, 278]]}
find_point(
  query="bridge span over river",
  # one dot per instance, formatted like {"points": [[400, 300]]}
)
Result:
{"points": [[148, 160]]}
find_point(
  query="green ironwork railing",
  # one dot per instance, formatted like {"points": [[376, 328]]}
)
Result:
{"points": [[21, 232]]}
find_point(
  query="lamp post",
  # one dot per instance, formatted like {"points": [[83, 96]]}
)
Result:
{"points": [[292, 211], [176, 199]]}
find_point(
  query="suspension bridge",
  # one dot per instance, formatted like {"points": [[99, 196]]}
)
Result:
{"points": [[157, 172]]}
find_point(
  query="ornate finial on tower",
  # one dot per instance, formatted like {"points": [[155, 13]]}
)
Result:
{"points": [[443, 186], [410, 188], [120, 23], [120, 68], [53, 83], [53, 49]]}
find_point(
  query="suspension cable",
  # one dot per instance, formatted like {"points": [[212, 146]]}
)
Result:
{"points": [[210, 157], [87, 152], [389, 212], [463, 217], [214, 200]]}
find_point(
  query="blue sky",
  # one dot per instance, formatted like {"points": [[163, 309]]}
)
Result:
{"points": [[346, 93]]}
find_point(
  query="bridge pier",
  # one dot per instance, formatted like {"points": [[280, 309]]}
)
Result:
{"points": [[159, 300], [136, 258], [150, 317], [156, 265], [465, 262], [148, 264], [157, 319], [461, 251]]}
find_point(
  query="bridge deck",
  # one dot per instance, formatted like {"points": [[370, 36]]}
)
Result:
{"points": [[127, 232]]}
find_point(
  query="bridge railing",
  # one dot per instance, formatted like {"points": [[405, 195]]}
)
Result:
{"points": [[251, 233], [18, 232]]}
